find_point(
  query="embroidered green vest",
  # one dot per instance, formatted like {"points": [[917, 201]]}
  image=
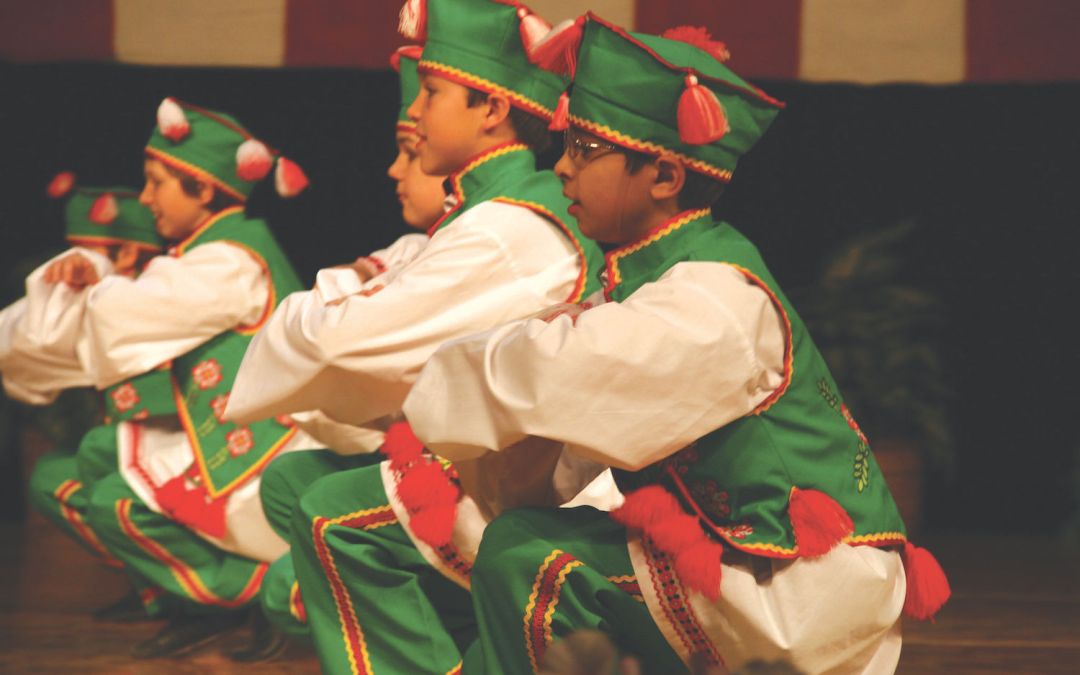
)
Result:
{"points": [[141, 397], [507, 174], [739, 478], [226, 455]]}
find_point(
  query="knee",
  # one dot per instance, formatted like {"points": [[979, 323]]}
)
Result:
{"points": [[102, 502], [503, 545]]}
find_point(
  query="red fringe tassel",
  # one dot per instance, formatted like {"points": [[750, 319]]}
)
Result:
{"points": [[927, 587], [819, 522]]}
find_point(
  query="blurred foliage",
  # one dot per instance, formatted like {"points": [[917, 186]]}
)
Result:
{"points": [[880, 335]]}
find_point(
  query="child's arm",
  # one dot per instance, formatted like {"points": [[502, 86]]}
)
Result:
{"points": [[626, 385]]}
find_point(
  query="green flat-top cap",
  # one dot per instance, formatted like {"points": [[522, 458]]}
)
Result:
{"points": [[481, 44], [99, 216], [404, 61], [651, 93]]}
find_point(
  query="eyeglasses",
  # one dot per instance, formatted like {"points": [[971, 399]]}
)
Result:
{"points": [[583, 150]]}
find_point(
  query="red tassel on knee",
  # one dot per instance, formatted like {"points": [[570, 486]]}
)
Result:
{"points": [[645, 506], [434, 525], [818, 521], [401, 446], [699, 565], [927, 587]]}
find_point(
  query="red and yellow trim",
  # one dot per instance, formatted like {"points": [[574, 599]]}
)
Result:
{"points": [[648, 147], [296, 603], [579, 284], [74, 518], [472, 81], [195, 171], [271, 297], [182, 247], [614, 276], [789, 347], [471, 165], [674, 600], [542, 602], [352, 632], [186, 577], [628, 584]]}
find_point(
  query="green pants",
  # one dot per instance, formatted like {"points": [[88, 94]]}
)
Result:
{"points": [[283, 482], [373, 602], [61, 482], [544, 573], [195, 575]]}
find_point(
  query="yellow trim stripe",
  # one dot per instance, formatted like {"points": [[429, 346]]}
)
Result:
{"points": [[470, 80], [63, 494], [182, 247], [614, 276], [533, 647], [579, 284]]}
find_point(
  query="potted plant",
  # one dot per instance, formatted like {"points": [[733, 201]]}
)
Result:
{"points": [[879, 335]]}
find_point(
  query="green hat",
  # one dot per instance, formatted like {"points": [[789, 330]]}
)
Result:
{"points": [[99, 216], [404, 62], [482, 44], [654, 94], [213, 147]]}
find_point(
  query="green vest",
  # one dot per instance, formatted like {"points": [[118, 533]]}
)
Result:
{"points": [[507, 174], [738, 479], [141, 397], [226, 455]]}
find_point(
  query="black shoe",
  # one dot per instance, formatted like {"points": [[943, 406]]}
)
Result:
{"points": [[127, 609], [187, 633], [267, 642]]}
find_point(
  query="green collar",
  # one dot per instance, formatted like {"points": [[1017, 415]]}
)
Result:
{"points": [[485, 176], [630, 266]]}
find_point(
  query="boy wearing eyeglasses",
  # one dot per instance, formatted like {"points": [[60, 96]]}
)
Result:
{"points": [[756, 523]]}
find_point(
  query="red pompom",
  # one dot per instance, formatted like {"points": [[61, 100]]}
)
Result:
{"points": [[700, 115], [104, 210], [675, 534], [289, 179], [818, 521], [61, 184], [557, 51], [699, 567], [532, 27], [699, 37], [401, 446], [645, 506], [560, 121], [172, 121], [927, 586], [412, 20], [408, 52], [425, 485], [169, 494], [434, 526], [253, 160]]}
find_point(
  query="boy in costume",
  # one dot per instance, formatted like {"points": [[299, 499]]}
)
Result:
{"points": [[348, 447], [756, 522], [504, 249], [182, 513]]}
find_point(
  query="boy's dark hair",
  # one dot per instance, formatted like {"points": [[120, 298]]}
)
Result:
{"points": [[530, 129], [699, 191], [191, 186]]}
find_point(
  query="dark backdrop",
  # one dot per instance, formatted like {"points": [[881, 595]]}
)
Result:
{"points": [[991, 173]]}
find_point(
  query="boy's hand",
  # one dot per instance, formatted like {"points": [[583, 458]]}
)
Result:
{"points": [[74, 270], [363, 268]]}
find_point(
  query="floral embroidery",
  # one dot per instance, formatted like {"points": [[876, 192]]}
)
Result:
{"points": [[861, 465], [739, 531], [218, 404], [125, 397], [207, 374], [711, 498], [239, 441]]}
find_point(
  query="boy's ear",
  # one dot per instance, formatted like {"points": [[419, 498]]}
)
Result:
{"points": [[670, 178], [206, 193], [498, 109]]}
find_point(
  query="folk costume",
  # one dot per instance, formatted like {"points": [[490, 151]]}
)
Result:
{"points": [[504, 249], [756, 522]]}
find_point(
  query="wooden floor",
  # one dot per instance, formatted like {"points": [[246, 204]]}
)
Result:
{"points": [[1015, 609]]}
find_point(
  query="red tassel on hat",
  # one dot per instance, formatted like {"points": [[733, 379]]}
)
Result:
{"points": [[533, 28], [253, 160], [401, 446], [699, 37], [412, 20], [698, 567], [927, 587], [61, 184], [557, 51], [819, 522], [409, 51], [172, 121], [104, 209], [560, 121], [289, 179], [701, 117]]}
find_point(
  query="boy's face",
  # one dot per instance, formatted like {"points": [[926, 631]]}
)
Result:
{"points": [[450, 132], [421, 195], [177, 214], [610, 203]]}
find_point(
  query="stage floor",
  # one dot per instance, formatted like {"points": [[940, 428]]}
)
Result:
{"points": [[1015, 609]]}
